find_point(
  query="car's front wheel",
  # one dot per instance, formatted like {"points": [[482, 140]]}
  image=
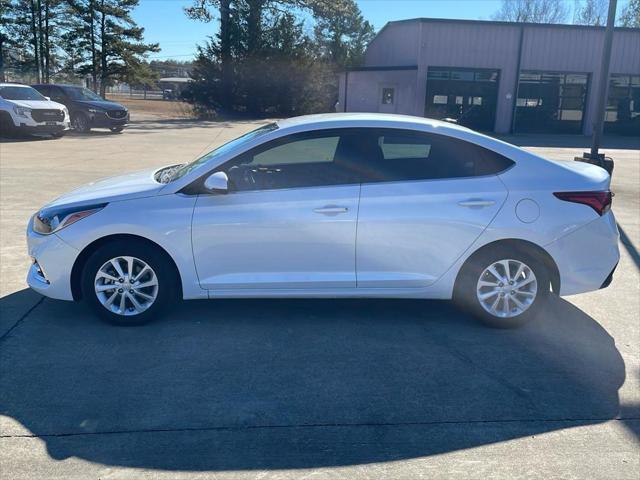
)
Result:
{"points": [[116, 129], [80, 123], [128, 283], [7, 127], [503, 289]]}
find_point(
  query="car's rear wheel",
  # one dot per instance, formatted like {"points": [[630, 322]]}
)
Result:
{"points": [[503, 289], [128, 283], [80, 122]]}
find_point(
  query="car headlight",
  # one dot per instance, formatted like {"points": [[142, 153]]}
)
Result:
{"points": [[22, 111], [50, 220]]}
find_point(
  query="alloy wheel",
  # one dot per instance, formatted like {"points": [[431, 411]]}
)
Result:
{"points": [[126, 285], [507, 288], [80, 123]]}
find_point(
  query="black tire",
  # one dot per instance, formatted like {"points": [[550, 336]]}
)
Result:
{"points": [[116, 129], [7, 128], [465, 293], [80, 122], [58, 135], [167, 280]]}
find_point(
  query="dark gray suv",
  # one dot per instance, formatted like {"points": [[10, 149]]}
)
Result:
{"points": [[87, 109]]}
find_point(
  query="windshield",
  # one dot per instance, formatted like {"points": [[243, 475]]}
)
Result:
{"points": [[20, 93], [79, 93], [247, 137]]}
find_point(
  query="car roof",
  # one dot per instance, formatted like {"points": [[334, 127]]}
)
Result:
{"points": [[342, 120], [9, 84], [56, 85]]}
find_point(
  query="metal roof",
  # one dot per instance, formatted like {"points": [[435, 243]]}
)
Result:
{"points": [[505, 24]]}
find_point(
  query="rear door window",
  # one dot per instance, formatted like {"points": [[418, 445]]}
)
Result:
{"points": [[401, 155]]}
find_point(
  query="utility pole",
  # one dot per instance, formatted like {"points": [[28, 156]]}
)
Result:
{"points": [[603, 83]]}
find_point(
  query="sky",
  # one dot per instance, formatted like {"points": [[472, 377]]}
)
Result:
{"points": [[165, 22]]}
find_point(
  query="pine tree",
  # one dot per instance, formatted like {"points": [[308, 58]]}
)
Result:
{"points": [[29, 30], [342, 34], [111, 43]]}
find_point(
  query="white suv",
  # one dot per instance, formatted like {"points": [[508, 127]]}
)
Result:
{"points": [[24, 110]]}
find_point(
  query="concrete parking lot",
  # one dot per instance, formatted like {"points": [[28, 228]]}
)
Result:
{"points": [[296, 389]]}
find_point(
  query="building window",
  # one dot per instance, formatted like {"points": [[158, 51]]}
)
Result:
{"points": [[623, 105], [387, 96], [551, 102]]}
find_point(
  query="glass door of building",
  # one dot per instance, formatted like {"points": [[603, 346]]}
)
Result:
{"points": [[551, 102], [468, 96]]}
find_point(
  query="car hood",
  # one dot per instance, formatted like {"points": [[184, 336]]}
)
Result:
{"points": [[37, 104], [123, 187], [102, 104]]}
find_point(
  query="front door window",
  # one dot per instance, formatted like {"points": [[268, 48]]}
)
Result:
{"points": [[313, 159]]}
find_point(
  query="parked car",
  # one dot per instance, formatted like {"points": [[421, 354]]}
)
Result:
{"points": [[88, 109], [25, 111], [335, 205]]}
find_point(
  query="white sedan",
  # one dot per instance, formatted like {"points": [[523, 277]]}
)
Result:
{"points": [[337, 205]]}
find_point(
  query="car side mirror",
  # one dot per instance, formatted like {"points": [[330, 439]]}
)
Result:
{"points": [[217, 182], [48, 98]]}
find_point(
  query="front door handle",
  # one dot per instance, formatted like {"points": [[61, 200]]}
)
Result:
{"points": [[331, 210], [476, 202]]}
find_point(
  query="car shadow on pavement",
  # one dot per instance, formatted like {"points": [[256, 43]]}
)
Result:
{"points": [[26, 138], [280, 384]]}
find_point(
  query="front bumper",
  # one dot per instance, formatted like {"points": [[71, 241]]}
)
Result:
{"points": [[27, 124], [43, 129], [103, 120], [50, 274], [587, 257]]}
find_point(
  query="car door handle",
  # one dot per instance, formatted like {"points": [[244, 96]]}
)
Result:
{"points": [[331, 210], [476, 202]]}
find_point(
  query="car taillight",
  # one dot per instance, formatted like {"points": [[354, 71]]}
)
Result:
{"points": [[599, 201]]}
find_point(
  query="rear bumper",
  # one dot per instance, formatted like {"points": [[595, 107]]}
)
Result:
{"points": [[609, 279], [587, 257]]}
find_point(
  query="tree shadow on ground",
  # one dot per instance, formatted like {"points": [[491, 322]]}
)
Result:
{"points": [[278, 384]]}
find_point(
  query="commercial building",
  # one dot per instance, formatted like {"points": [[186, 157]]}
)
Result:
{"points": [[498, 76]]}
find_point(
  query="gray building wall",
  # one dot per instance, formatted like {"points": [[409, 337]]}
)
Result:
{"points": [[425, 43]]}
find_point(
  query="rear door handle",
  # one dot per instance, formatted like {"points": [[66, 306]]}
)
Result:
{"points": [[331, 210], [476, 202]]}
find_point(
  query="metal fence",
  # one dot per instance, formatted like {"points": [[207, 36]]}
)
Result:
{"points": [[127, 91]]}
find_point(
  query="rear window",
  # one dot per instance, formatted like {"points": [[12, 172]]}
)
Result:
{"points": [[396, 146]]}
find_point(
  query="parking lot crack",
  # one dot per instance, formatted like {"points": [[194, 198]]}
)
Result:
{"points": [[585, 420], [22, 318]]}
